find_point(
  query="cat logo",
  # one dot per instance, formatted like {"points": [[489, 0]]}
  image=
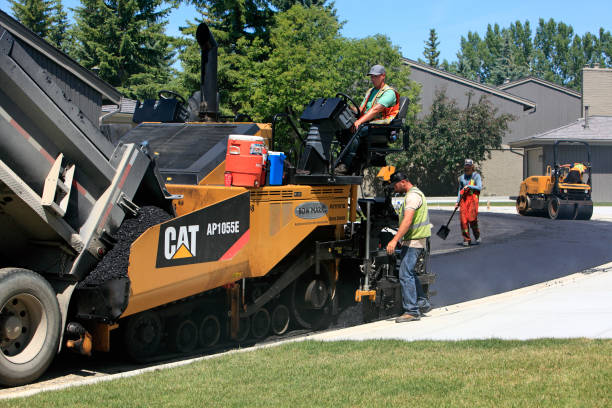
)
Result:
{"points": [[181, 244]]}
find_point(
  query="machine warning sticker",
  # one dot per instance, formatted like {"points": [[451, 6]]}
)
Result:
{"points": [[211, 234], [311, 210]]}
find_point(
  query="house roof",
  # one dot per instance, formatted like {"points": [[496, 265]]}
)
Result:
{"points": [[63, 60], [126, 105], [543, 82], [598, 130], [527, 104]]}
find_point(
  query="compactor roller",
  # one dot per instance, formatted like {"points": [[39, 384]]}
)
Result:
{"points": [[564, 193]]}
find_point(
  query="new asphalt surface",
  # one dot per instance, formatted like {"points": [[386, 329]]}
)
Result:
{"points": [[516, 252]]}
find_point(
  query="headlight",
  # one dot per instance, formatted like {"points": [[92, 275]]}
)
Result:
{"points": [[565, 191], [586, 191]]}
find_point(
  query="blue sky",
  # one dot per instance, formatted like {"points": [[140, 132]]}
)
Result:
{"points": [[407, 22]]}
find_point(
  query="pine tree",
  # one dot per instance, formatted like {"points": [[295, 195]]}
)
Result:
{"points": [[125, 39], [34, 14], [431, 52], [58, 32], [46, 18]]}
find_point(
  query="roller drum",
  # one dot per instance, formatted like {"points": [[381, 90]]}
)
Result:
{"points": [[584, 211]]}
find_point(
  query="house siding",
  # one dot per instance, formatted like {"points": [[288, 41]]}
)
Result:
{"points": [[596, 90]]}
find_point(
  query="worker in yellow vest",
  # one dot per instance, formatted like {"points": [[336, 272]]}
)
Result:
{"points": [[380, 106], [413, 231]]}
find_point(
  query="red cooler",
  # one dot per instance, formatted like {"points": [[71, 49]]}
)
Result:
{"points": [[245, 161]]}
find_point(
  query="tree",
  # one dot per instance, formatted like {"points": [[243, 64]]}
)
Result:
{"points": [[284, 5], [506, 67], [125, 39], [445, 137], [431, 52], [58, 32], [46, 18], [469, 58], [34, 14]]}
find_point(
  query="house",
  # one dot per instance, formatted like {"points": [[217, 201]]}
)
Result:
{"points": [[594, 127], [595, 130], [536, 105]]}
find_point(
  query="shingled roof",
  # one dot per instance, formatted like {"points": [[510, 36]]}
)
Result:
{"points": [[540, 81], [527, 104], [598, 130]]}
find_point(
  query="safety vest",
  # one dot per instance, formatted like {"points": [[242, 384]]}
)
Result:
{"points": [[388, 114], [420, 227], [579, 167]]}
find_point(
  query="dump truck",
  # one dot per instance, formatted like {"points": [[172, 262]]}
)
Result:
{"points": [[141, 242], [564, 192], [65, 190]]}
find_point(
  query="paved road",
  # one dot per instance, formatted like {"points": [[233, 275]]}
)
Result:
{"points": [[516, 252]]}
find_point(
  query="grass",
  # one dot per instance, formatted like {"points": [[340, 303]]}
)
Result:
{"points": [[542, 373]]}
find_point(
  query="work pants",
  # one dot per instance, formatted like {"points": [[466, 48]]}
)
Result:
{"points": [[468, 207], [413, 297], [354, 146]]}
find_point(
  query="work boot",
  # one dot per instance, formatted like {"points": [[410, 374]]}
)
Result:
{"points": [[341, 170], [406, 317], [478, 241], [424, 305]]}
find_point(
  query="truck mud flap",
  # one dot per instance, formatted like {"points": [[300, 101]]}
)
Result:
{"points": [[104, 302]]}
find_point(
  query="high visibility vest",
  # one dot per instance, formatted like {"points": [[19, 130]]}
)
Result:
{"points": [[579, 167], [388, 114], [420, 227]]}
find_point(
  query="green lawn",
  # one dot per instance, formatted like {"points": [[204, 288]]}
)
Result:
{"points": [[488, 373]]}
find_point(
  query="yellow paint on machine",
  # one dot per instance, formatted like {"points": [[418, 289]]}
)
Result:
{"points": [[281, 217]]}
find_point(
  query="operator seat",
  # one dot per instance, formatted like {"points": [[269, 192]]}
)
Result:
{"points": [[379, 137]]}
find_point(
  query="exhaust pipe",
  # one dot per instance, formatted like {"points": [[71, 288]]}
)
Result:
{"points": [[209, 104]]}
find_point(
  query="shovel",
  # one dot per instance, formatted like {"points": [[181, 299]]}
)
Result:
{"points": [[444, 230]]}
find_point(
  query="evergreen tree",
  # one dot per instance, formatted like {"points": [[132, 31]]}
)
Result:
{"points": [[125, 39], [46, 18], [34, 14], [470, 58], [507, 66], [431, 52], [284, 5], [58, 32]]}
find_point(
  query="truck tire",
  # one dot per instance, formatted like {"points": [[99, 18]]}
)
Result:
{"points": [[30, 326]]}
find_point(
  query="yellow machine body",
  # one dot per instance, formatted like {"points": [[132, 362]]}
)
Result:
{"points": [[275, 230]]}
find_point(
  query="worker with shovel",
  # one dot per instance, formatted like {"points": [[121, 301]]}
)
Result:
{"points": [[413, 231], [470, 185]]}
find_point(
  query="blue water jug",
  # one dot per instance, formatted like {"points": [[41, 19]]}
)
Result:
{"points": [[277, 161]]}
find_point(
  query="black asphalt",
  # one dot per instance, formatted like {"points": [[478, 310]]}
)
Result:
{"points": [[516, 252]]}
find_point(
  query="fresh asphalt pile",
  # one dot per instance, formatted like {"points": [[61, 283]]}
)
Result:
{"points": [[115, 263]]}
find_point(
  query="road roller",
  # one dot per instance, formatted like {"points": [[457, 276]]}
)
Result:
{"points": [[564, 193]]}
